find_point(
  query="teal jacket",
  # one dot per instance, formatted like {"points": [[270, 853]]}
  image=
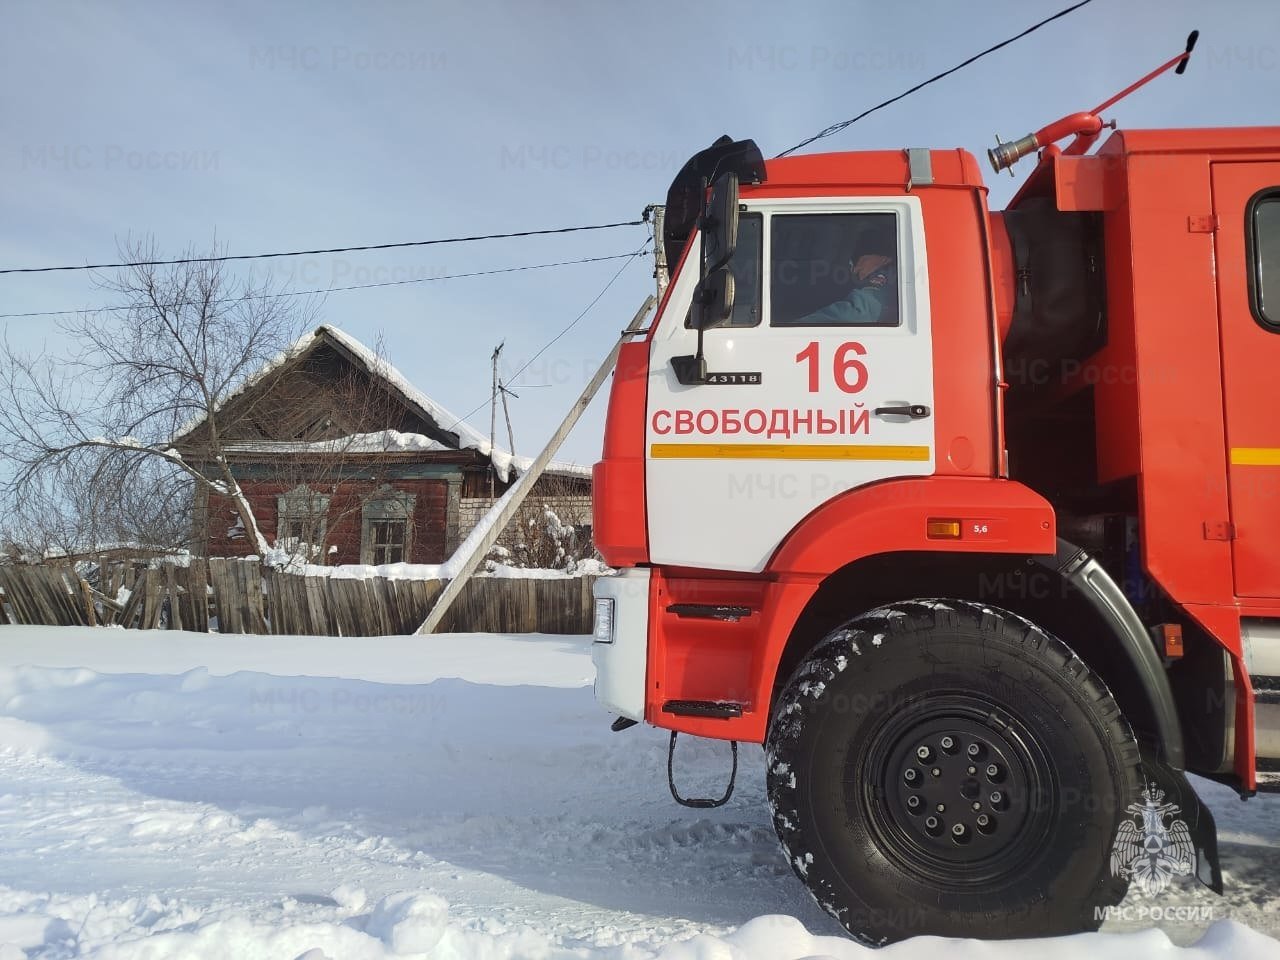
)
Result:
{"points": [[873, 301]]}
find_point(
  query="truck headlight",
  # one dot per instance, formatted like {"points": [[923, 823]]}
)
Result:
{"points": [[604, 620]]}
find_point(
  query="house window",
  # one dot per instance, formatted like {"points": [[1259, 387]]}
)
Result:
{"points": [[302, 523], [386, 527], [387, 540]]}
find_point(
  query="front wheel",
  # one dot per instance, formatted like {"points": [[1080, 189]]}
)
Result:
{"points": [[943, 767]]}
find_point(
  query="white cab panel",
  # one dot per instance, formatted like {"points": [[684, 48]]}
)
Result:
{"points": [[725, 487]]}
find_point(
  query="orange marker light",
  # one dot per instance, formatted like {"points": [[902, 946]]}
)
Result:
{"points": [[1171, 634], [942, 529]]}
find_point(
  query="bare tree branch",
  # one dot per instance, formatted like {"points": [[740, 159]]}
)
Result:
{"points": [[95, 426]]}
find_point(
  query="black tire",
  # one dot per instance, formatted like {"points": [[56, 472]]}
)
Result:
{"points": [[947, 676]]}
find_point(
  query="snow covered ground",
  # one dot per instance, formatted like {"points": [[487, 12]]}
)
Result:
{"points": [[167, 795]]}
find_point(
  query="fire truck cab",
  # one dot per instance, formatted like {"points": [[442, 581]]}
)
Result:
{"points": [[969, 516]]}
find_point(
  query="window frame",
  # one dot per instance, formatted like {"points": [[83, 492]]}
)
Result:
{"points": [[400, 543], [307, 507], [914, 301], [386, 504], [1253, 263], [857, 210], [743, 214]]}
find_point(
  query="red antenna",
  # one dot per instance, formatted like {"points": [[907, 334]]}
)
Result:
{"points": [[1085, 126]]}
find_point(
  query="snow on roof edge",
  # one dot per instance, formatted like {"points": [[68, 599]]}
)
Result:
{"points": [[468, 437]]}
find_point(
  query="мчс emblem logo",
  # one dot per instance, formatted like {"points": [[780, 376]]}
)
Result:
{"points": [[1149, 851]]}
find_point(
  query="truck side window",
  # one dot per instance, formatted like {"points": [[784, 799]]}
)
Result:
{"points": [[1263, 244], [745, 265], [834, 269]]}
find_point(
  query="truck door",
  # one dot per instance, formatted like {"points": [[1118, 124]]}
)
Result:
{"points": [[821, 381], [1246, 199]]}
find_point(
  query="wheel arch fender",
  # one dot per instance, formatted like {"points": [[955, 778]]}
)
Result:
{"points": [[1074, 586], [1000, 516], [883, 520], [1077, 568]]}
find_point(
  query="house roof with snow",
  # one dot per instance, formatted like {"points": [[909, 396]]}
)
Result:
{"points": [[265, 419]]}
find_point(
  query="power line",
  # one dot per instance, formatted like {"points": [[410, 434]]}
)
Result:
{"points": [[572, 323], [837, 127], [356, 286], [303, 253]]}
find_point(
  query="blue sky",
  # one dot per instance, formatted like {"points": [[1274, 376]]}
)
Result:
{"points": [[297, 125]]}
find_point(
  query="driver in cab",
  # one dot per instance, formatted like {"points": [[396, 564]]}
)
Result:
{"points": [[872, 299]]}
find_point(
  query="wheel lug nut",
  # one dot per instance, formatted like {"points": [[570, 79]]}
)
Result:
{"points": [[958, 829], [974, 749], [941, 808], [993, 771], [924, 753], [986, 824], [977, 806], [972, 771], [936, 772], [910, 775], [959, 834], [933, 825], [948, 744], [913, 802]]}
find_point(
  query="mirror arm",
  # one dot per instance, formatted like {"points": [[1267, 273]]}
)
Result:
{"points": [[691, 370]]}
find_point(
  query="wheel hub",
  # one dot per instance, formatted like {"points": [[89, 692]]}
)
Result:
{"points": [[957, 790]]}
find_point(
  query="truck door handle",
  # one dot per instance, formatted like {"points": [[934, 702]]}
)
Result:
{"points": [[916, 411]]}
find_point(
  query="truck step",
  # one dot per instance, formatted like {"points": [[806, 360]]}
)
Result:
{"points": [[710, 611], [718, 709]]}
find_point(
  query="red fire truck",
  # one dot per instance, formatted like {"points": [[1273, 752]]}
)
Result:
{"points": [[978, 536]]}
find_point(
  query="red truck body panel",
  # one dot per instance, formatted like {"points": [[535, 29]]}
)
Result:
{"points": [[1173, 390]]}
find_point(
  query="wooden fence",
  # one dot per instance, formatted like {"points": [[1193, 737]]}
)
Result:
{"points": [[239, 596]]}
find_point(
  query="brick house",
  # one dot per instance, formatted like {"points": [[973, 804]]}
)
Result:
{"points": [[343, 461]]}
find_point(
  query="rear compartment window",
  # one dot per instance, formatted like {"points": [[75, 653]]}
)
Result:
{"points": [[1263, 224], [833, 269]]}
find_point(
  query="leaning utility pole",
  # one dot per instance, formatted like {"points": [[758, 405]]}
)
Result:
{"points": [[468, 556], [660, 272]]}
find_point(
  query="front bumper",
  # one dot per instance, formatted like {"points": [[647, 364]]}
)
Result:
{"points": [[621, 652]]}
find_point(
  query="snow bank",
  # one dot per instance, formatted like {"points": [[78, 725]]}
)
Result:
{"points": [[589, 567], [785, 938], [410, 924], [489, 658], [453, 797]]}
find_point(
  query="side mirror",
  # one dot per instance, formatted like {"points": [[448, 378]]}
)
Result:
{"points": [[713, 299], [712, 305], [719, 224]]}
